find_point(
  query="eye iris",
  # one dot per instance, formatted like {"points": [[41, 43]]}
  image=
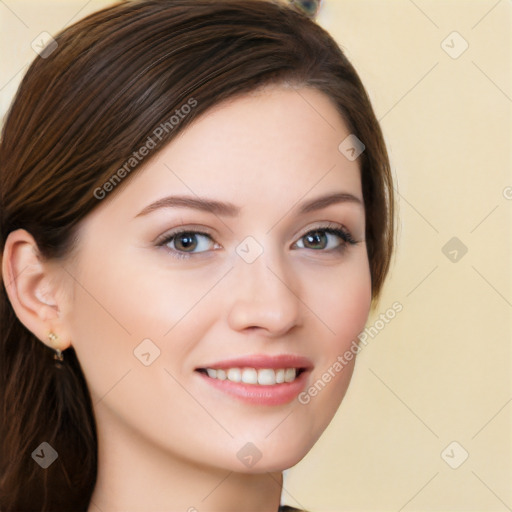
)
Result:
{"points": [[316, 240], [186, 242]]}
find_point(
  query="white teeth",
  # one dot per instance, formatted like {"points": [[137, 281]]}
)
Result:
{"points": [[289, 374], [262, 377], [234, 374], [266, 377], [250, 376]]}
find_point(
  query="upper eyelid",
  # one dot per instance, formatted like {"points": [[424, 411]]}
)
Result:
{"points": [[326, 226], [182, 229]]}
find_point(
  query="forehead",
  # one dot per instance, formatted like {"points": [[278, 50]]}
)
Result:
{"points": [[272, 146]]}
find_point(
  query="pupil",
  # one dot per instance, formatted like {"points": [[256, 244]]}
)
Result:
{"points": [[316, 240], [186, 242]]}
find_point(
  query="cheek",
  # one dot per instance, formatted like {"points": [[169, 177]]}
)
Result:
{"points": [[107, 324], [348, 309], [342, 307], [342, 303], [119, 302]]}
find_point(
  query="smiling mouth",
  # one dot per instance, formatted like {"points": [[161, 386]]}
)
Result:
{"points": [[254, 376]]}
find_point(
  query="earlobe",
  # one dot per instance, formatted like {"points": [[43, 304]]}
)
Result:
{"points": [[28, 282]]}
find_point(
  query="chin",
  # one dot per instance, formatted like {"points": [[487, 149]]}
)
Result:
{"points": [[282, 462], [278, 454]]}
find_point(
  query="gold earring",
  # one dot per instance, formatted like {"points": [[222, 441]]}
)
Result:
{"points": [[58, 352]]}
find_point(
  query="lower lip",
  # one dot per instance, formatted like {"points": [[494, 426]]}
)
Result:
{"points": [[275, 394]]}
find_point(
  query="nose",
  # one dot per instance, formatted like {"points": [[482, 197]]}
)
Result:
{"points": [[264, 297]]}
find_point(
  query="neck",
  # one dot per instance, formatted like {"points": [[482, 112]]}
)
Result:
{"points": [[135, 475]]}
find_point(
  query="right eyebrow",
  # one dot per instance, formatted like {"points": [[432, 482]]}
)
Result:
{"points": [[206, 205]]}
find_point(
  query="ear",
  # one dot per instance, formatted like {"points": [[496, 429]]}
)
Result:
{"points": [[35, 289]]}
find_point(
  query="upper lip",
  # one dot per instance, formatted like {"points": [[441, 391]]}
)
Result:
{"points": [[262, 361]]}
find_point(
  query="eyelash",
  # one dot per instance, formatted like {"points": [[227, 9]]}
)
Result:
{"points": [[342, 233]]}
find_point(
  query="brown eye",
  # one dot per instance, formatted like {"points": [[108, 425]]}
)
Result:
{"points": [[325, 239], [315, 240], [185, 242], [190, 242]]}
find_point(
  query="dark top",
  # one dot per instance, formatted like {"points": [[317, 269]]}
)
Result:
{"points": [[287, 508]]}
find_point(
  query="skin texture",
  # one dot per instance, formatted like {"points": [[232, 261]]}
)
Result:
{"points": [[167, 439]]}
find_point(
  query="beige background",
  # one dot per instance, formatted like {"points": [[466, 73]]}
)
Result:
{"points": [[440, 371]]}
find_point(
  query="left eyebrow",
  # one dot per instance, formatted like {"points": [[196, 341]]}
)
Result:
{"points": [[325, 201]]}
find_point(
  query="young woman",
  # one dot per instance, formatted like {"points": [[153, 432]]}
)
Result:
{"points": [[196, 216]]}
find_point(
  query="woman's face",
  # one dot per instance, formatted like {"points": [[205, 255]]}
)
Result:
{"points": [[237, 253]]}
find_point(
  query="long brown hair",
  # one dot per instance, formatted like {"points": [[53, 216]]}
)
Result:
{"points": [[80, 113]]}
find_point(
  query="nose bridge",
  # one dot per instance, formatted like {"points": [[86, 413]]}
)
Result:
{"points": [[264, 294]]}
